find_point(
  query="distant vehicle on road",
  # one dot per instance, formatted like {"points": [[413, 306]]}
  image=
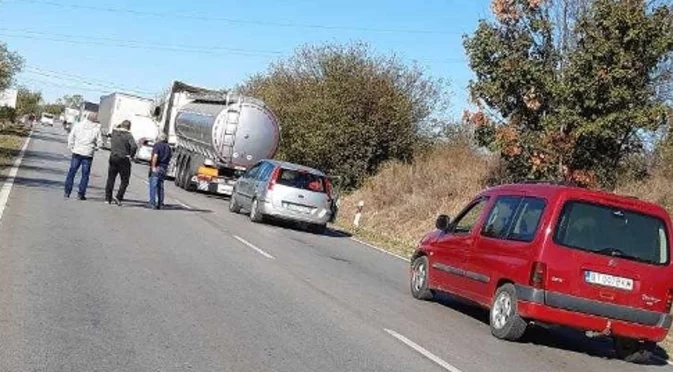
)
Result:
{"points": [[286, 191], [47, 119], [145, 132], [117, 107], [590, 260], [217, 136]]}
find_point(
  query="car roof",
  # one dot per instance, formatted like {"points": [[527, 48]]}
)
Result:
{"points": [[551, 191], [296, 167]]}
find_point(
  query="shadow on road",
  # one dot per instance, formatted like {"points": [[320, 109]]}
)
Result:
{"points": [[143, 204], [556, 337], [47, 156], [20, 181], [43, 170], [49, 137]]}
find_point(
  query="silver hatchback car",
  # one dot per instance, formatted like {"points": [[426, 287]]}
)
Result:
{"points": [[285, 191]]}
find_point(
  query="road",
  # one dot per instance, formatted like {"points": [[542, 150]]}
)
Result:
{"points": [[85, 286]]}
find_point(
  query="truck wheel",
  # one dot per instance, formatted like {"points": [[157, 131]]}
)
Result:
{"points": [[420, 273], [506, 324], [633, 351], [189, 172], [178, 171], [255, 215], [233, 205]]}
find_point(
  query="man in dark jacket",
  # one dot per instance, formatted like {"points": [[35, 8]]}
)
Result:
{"points": [[122, 149]]}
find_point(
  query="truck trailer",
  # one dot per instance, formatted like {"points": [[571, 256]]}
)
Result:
{"points": [[117, 107], [216, 136]]}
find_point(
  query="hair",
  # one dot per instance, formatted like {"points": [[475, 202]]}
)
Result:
{"points": [[92, 116], [125, 125], [162, 138]]}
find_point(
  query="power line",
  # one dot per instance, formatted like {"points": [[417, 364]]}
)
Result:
{"points": [[102, 83], [132, 44], [49, 83], [234, 20], [92, 84]]}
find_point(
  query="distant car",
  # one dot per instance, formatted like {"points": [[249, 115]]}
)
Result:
{"points": [[144, 153], [285, 191], [593, 261], [47, 119]]}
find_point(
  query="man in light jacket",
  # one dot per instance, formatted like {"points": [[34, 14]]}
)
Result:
{"points": [[84, 139], [122, 149]]}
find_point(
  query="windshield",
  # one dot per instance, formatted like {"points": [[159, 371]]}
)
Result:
{"points": [[301, 180], [48, 116], [613, 232]]}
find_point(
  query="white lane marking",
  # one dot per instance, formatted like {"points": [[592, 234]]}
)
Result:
{"points": [[441, 362], [7, 187], [380, 249], [662, 360], [252, 246], [183, 205]]}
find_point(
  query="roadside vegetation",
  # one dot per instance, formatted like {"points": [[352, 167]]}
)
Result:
{"points": [[12, 137]]}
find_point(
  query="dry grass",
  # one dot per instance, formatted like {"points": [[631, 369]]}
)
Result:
{"points": [[12, 138], [403, 200]]}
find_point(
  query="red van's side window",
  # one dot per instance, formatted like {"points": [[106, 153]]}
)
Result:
{"points": [[514, 218]]}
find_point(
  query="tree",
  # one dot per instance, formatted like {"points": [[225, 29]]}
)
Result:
{"points": [[73, 101], [569, 111], [10, 64], [55, 109], [28, 102], [345, 110]]}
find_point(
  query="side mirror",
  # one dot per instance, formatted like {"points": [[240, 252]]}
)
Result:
{"points": [[443, 222]]}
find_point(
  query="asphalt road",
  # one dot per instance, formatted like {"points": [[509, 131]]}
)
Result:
{"points": [[85, 286]]}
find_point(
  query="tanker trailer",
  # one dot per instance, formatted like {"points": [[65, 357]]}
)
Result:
{"points": [[217, 136]]}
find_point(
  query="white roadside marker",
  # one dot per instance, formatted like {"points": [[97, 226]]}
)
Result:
{"points": [[7, 187], [439, 361], [252, 246]]}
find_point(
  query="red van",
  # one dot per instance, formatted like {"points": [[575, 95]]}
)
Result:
{"points": [[590, 260]]}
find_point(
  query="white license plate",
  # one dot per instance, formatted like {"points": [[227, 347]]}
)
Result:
{"points": [[608, 280], [225, 189], [298, 208]]}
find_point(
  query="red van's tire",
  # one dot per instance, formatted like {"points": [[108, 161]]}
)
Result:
{"points": [[420, 273], [633, 351], [506, 324]]}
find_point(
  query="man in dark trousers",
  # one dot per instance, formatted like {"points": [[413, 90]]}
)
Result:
{"points": [[161, 157], [122, 149]]}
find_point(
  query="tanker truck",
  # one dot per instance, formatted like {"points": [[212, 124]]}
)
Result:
{"points": [[216, 136]]}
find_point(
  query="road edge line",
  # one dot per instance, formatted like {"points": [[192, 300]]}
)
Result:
{"points": [[419, 349], [379, 249], [253, 247], [9, 183]]}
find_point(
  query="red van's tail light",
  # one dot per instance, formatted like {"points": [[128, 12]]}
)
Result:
{"points": [[274, 178], [538, 275], [669, 300]]}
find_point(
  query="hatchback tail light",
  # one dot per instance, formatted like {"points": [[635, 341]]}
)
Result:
{"points": [[538, 275], [273, 179], [669, 300]]}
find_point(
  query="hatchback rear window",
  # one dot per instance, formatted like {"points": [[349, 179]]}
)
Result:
{"points": [[613, 232], [301, 180]]}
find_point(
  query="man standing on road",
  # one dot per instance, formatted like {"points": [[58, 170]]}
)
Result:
{"points": [[122, 149], [161, 157], [84, 139]]}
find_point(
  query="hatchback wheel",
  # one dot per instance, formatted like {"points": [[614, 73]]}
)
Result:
{"points": [[233, 205], [633, 351], [419, 279], [505, 321], [255, 215]]}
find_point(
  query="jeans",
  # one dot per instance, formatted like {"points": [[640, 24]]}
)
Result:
{"points": [[157, 187], [117, 166], [75, 162]]}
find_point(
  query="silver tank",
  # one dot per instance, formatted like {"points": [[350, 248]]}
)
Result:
{"points": [[236, 133]]}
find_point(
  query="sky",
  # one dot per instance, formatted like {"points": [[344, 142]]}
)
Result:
{"points": [[96, 48]]}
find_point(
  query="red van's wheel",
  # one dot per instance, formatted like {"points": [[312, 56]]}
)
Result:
{"points": [[419, 279], [505, 321], [633, 351]]}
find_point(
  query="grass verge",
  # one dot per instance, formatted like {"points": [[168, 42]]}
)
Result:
{"points": [[12, 137]]}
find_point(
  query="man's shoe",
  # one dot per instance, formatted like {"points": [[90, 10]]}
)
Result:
{"points": [[66, 196], [81, 197], [117, 201]]}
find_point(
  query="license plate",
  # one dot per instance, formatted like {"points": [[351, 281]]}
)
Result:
{"points": [[298, 208], [608, 280], [225, 189]]}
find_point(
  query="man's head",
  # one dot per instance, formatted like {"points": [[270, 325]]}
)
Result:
{"points": [[162, 138], [92, 116], [125, 125]]}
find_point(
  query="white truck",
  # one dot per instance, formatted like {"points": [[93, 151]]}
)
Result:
{"points": [[117, 107], [216, 135]]}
